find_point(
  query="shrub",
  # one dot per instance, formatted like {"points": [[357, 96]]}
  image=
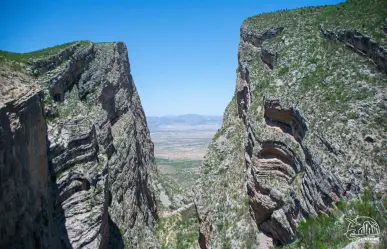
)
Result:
{"points": [[328, 231]]}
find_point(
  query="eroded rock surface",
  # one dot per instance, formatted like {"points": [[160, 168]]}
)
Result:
{"points": [[360, 43], [301, 133], [25, 199], [268, 56], [95, 157]]}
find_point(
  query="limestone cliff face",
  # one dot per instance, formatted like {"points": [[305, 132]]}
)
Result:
{"points": [[310, 108], [27, 214], [99, 154]]}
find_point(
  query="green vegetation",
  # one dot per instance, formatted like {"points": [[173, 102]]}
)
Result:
{"points": [[177, 178], [331, 85], [24, 57], [328, 231], [283, 70], [177, 232], [222, 173], [48, 100], [72, 106], [350, 15], [59, 173], [320, 75], [353, 115], [181, 164], [219, 132], [98, 188]]}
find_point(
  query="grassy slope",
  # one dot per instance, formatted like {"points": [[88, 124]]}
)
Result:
{"points": [[177, 178], [320, 74], [181, 164], [24, 57], [177, 231], [365, 16], [222, 183]]}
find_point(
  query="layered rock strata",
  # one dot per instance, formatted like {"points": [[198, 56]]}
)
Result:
{"points": [[95, 157], [304, 128], [25, 199]]}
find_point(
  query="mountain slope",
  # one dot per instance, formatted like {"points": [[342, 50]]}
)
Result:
{"points": [[99, 158], [305, 128]]}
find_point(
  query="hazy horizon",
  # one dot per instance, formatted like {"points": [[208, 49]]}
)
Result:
{"points": [[185, 114]]}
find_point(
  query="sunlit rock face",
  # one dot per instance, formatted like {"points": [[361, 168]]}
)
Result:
{"points": [[95, 152], [305, 128]]}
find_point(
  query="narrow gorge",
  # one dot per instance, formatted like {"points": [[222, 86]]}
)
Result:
{"points": [[303, 136]]}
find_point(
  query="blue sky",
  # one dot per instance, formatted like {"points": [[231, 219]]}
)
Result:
{"points": [[183, 54]]}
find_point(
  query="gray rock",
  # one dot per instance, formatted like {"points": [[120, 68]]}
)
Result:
{"points": [[257, 39], [369, 139], [99, 155], [292, 142], [25, 201], [360, 43]]}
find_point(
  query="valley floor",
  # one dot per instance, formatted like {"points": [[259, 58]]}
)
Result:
{"points": [[179, 152]]}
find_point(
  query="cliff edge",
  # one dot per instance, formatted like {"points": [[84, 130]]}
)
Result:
{"points": [[305, 129], [76, 153]]}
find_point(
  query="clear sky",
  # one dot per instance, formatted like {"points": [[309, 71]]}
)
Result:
{"points": [[183, 54]]}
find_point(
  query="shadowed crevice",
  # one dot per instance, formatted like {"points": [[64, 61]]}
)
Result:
{"points": [[288, 120]]}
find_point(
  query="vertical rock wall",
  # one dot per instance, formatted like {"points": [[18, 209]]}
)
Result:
{"points": [[92, 163], [26, 219]]}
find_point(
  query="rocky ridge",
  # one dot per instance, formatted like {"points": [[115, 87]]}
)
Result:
{"points": [[99, 159], [305, 128]]}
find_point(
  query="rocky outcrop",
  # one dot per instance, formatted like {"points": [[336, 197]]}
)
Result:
{"points": [[285, 189], [284, 185], [269, 58], [257, 40], [361, 43], [98, 155], [205, 228], [296, 140], [105, 140], [384, 25], [288, 120], [286, 180], [205, 232], [25, 199], [243, 94], [41, 65]]}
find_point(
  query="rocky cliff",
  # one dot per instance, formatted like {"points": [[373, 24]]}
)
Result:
{"points": [[77, 157], [27, 214], [305, 129]]}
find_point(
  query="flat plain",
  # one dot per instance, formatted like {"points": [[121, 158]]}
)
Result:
{"points": [[188, 144], [180, 145]]}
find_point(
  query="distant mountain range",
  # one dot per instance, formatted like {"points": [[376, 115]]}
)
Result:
{"points": [[186, 121]]}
